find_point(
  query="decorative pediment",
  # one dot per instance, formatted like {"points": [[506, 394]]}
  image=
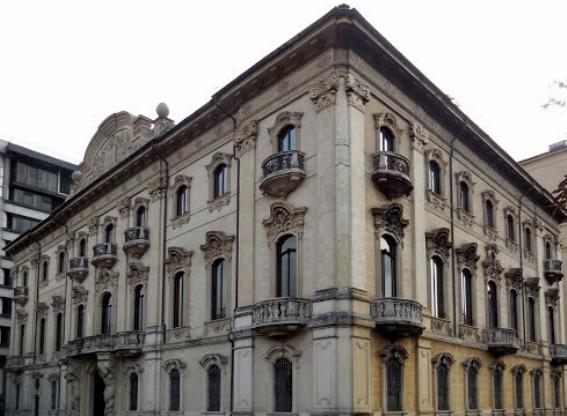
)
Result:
{"points": [[109, 219], [467, 257], [436, 155], [21, 316], [173, 363], [217, 244], [140, 202], [390, 219], [323, 93], [124, 207], [498, 365], [438, 242], [134, 368], [79, 294], [552, 297], [213, 359], [472, 362], [492, 267], [178, 259], [218, 159], [389, 120], [284, 218], [519, 368], [443, 358], [532, 286], [106, 279], [58, 303], [156, 188], [515, 278], [245, 137], [180, 180], [395, 351], [137, 273], [283, 351], [284, 119], [465, 176], [42, 309]]}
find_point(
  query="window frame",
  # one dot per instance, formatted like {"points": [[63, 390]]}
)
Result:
{"points": [[106, 316], [472, 366], [291, 275], [438, 361], [394, 353], [464, 298]]}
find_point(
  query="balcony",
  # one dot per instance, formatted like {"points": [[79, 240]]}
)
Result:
{"points": [[124, 344], [391, 174], [280, 316], [137, 241], [397, 318], [78, 268], [21, 295], [552, 271], [559, 354], [282, 173], [502, 341], [104, 255], [14, 363]]}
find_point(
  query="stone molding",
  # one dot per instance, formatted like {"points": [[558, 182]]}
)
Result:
{"points": [[137, 273], [358, 94], [79, 294], [390, 219], [217, 244], [284, 218], [178, 259], [492, 267], [324, 93], [438, 242], [245, 137]]}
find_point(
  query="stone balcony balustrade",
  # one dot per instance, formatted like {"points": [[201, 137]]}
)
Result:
{"points": [[21, 295], [104, 255], [559, 354], [283, 172], [281, 316], [136, 241], [14, 363], [397, 318], [552, 270], [123, 343], [78, 268], [502, 341], [391, 174]]}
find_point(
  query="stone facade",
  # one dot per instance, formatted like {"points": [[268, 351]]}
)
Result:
{"points": [[215, 329]]}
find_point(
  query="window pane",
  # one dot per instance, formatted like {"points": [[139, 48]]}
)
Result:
{"points": [[174, 391], [514, 310], [133, 391], [497, 380], [283, 385], [214, 389], [287, 267], [394, 376], [443, 387], [519, 390], [472, 388], [218, 276], [492, 305]]}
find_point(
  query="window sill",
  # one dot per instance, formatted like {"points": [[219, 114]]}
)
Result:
{"points": [[212, 413], [179, 220], [217, 203]]}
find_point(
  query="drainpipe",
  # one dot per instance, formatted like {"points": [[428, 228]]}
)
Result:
{"points": [[520, 249], [456, 314], [65, 263], [36, 300], [237, 248]]}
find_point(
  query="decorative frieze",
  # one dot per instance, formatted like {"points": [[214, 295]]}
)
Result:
{"points": [[284, 218], [358, 94], [324, 93]]}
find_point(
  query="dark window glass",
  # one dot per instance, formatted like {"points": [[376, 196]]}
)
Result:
{"points": [[214, 389], [287, 266], [42, 336], [36, 404], [532, 318], [37, 177], [25, 279], [464, 202], [4, 336], [489, 206], [61, 263], [221, 181], [556, 380], [109, 234], [7, 277], [472, 381], [83, 248], [519, 381], [467, 297], [218, 304], [64, 183], [528, 238], [497, 380], [174, 390], [434, 177], [53, 395], [80, 321], [20, 224], [33, 200], [58, 331], [6, 307], [45, 271], [437, 299], [386, 140], [551, 323], [106, 314], [514, 310], [141, 217], [22, 338], [178, 300], [511, 228], [443, 387], [537, 390], [548, 253], [133, 391], [287, 139], [17, 396], [181, 200], [394, 377], [492, 305], [283, 387], [138, 307], [388, 248]]}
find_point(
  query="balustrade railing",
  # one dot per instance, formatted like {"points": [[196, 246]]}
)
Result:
{"points": [[291, 159], [281, 311], [390, 161], [136, 233]]}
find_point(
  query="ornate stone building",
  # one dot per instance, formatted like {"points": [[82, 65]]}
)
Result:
{"points": [[328, 235]]}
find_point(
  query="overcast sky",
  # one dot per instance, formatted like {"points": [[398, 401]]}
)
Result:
{"points": [[66, 65]]}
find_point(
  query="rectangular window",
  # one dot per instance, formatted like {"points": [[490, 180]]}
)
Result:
{"points": [[4, 336], [7, 277], [6, 310], [32, 200], [37, 177], [20, 224]]}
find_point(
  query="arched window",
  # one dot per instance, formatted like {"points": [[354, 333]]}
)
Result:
{"points": [[537, 389], [181, 206], [556, 384], [174, 390], [464, 196], [22, 338], [45, 270], [221, 181], [61, 262], [532, 317], [25, 279], [53, 394], [80, 321], [551, 323], [528, 238], [42, 336], [443, 386], [138, 308], [213, 388], [437, 298], [141, 217], [467, 296], [17, 396], [497, 384], [287, 139], [283, 385], [106, 313], [58, 331], [511, 228], [286, 249], [472, 387], [548, 252], [386, 140], [489, 208], [394, 380], [514, 310], [519, 389], [36, 404], [434, 177], [83, 248], [133, 391], [388, 249], [109, 234], [218, 307], [178, 300], [492, 305]]}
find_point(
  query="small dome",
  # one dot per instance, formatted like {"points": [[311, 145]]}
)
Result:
{"points": [[162, 110], [76, 176]]}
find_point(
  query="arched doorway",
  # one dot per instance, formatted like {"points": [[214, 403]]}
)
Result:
{"points": [[99, 405]]}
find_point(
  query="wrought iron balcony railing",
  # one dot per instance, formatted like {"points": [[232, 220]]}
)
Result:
{"points": [[104, 255], [137, 241], [391, 174], [283, 172]]}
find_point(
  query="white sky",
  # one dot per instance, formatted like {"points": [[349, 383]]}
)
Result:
{"points": [[66, 65]]}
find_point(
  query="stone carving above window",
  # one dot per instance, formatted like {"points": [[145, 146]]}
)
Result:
{"points": [[519, 368], [472, 362], [444, 358], [283, 120], [174, 363], [358, 94], [395, 351], [42, 309], [283, 351], [137, 273], [156, 188], [284, 218], [58, 303], [213, 359], [178, 259], [124, 207], [552, 297], [217, 244], [390, 219], [21, 316], [79, 294], [532, 286], [467, 256], [324, 93], [438, 242], [514, 278], [389, 120], [492, 267], [106, 280], [245, 137]]}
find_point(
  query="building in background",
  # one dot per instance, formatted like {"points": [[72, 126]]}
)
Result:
{"points": [[32, 184], [548, 168]]}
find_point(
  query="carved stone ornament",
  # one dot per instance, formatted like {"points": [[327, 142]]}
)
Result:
{"points": [[109, 219], [245, 137], [441, 326], [284, 119], [465, 216], [137, 273], [395, 351], [515, 278], [173, 363], [552, 297], [358, 94], [57, 303], [467, 257], [140, 202], [42, 309], [93, 225], [156, 188], [21, 316], [79, 294], [443, 358], [106, 280], [324, 93], [532, 286], [105, 369], [436, 200], [124, 207], [180, 180], [390, 219], [74, 393], [284, 218], [519, 368], [213, 359], [472, 362], [438, 242], [492, 267], [217, 244], [217, 159], [178, 259], [420, 138], [465, 176]]}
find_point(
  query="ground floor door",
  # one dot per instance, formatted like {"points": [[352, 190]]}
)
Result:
{"points": [[98, 399]]}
